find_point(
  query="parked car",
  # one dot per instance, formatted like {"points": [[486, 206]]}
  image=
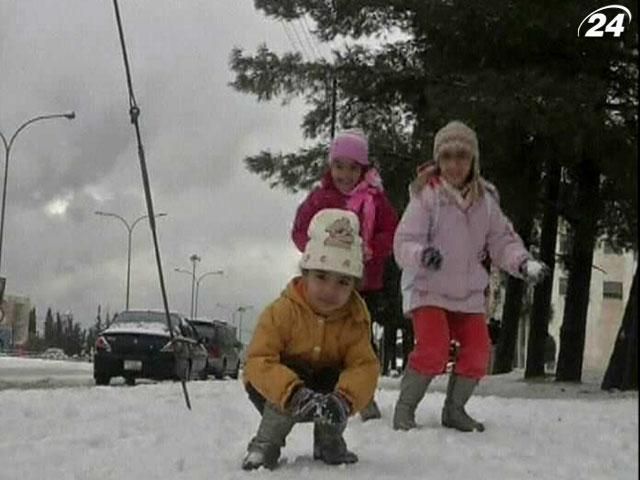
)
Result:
{"points": [[138, 345], [222, 346], [54, 353]]}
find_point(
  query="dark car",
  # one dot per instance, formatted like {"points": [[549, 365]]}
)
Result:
{"points": [[222, 345], [138, 345]]}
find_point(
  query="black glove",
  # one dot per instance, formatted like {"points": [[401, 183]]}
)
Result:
{"points": [[305, 404], [335, 409], [431, 258]]}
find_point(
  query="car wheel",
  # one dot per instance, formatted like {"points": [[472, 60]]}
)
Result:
{"points": [[220, 374], [235, 373], [102, 379]]}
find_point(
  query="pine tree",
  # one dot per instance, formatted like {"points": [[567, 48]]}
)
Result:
{"points": [[516, 71], [49, 329]]}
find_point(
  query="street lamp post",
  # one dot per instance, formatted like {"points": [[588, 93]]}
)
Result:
{"points": [[241, 309], [215, 272], [195, 281], [7, 150], [129, 228], [194, 259]]}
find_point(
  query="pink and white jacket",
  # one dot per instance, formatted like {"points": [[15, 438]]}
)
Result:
{"points": [[433, 217]]}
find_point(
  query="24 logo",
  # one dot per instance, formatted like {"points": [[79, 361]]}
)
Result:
{"points": [[615, 26]]}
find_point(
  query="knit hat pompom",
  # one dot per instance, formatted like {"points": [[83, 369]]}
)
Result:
{"points": [[350, 144], [334, 243]]}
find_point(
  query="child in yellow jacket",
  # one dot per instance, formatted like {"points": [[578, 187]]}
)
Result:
{"points": [[311, 358]]}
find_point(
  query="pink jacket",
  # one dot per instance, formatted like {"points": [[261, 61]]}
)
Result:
{"points": [[434, 218], [386, 219]]}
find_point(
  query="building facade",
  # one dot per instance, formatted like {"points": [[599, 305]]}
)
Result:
{"points": [[14, 324]]}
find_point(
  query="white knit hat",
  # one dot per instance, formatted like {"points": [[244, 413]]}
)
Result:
{"points": [[334, 243]]}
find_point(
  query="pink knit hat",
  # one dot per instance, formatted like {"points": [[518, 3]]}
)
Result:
{"points": [[352, 145]]}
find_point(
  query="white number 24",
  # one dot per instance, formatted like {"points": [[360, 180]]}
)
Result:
{"points": [[615, 26]]}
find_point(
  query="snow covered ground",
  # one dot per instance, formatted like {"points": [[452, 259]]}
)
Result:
{"points": [[540, 430]]}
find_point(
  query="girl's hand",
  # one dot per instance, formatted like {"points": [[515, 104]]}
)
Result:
{"points": [[533, 271], [424, 173]]}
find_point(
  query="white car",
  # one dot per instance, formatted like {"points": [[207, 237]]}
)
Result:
{"points": [[54, 354]]}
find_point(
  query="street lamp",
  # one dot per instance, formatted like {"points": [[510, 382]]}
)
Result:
{"points": [[241, 309], [129, 228], [197, 282], [214, 272], [7, 151]]}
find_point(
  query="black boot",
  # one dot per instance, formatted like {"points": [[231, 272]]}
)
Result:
{"points": [[264, 448], [329, 445], [370, 412], [454, 415]]}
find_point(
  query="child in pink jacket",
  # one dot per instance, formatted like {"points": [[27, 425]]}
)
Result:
{"points": [[352, 183], [442, 239]]}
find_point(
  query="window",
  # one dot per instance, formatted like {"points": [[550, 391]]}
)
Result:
{"points": [[612, 290], [562, 285]]}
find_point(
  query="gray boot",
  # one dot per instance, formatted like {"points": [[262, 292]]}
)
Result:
{"points": [[264, 448], [454, 415], [329, 445], [370, 412], [412, 389]]}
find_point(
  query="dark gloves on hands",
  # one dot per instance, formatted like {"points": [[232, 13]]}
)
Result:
{"points": [[335, 409], [305, 404], [431, 258]]}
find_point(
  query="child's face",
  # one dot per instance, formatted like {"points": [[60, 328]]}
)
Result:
{"points": [[328, 291], [345, 174], [455, 165]]}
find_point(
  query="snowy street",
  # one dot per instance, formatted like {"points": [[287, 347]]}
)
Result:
{"points": [[146, 432]]}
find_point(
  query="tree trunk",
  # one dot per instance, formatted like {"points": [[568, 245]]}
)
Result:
{"points": [[505, 349], [540, 311], [622, 372], [574, 321]]}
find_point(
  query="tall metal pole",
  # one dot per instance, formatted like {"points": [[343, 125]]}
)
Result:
{"points": [[7, 151], [241, 309], [194, 259], [129, 237], [128, 267], [215, 272]]}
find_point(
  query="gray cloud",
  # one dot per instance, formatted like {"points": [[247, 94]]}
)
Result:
{"points": [[59, 56]]}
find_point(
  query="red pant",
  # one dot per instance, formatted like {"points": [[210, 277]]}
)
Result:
{"points": [[435, 327]]}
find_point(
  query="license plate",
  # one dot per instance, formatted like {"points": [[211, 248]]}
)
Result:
{"points": [[133, 365]]}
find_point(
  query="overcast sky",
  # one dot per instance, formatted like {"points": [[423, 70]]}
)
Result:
{"points": [[61, 55]]}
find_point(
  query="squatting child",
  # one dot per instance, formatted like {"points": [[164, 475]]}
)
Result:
{"points": [[310, 358]]}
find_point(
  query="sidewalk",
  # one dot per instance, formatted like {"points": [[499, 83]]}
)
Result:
{"points": [[513, 385]]}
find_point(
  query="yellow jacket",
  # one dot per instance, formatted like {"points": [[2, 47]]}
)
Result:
{"points": [[289, 331]]}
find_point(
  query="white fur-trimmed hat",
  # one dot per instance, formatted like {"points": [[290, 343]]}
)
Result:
{"points": [[334, 243]]}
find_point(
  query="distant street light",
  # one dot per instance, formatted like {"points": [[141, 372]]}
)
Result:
{"points": [[129, 228], [241, 309], [7, 150], [197, 282]]}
